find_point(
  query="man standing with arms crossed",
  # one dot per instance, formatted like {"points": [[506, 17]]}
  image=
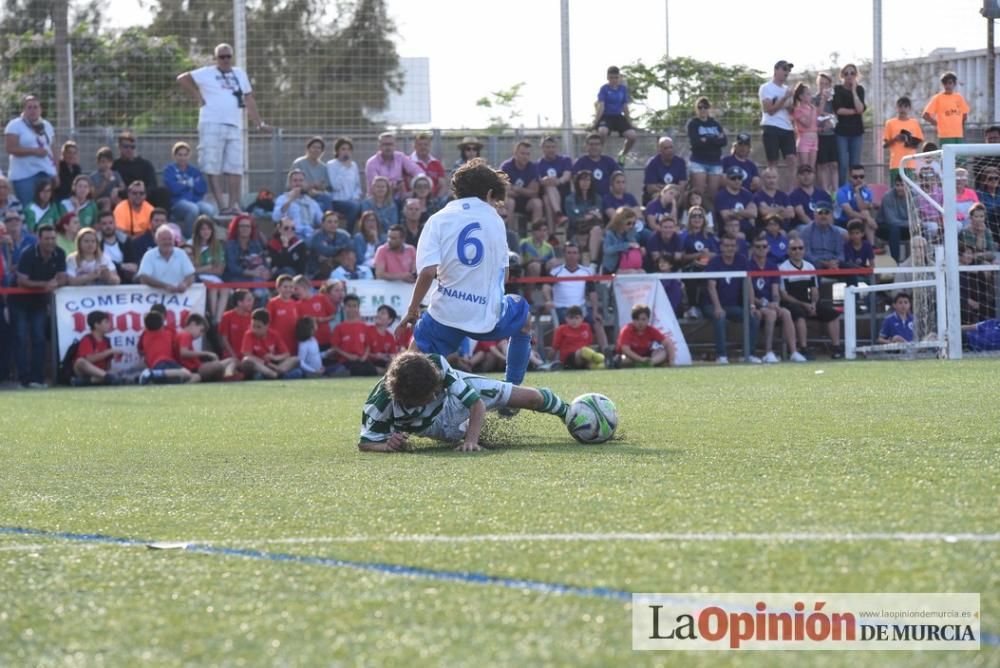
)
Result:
{"points": [[464, 246], [222, 91]]}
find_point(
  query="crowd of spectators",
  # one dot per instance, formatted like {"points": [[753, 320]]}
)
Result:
{"points": [[117, 222]]}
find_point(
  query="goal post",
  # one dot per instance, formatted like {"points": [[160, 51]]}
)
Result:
{"points": [[931, 184]]}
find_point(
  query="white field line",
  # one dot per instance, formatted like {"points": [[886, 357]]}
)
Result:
{"points": [[39, 547], [777, 537]]}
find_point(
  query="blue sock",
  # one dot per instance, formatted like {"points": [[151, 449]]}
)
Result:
{"points": [[518, 354]]}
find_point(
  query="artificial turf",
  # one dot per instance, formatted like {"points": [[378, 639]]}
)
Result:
{"points": [[272, 468]]}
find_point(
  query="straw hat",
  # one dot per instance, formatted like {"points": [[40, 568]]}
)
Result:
{"points": [[470, 141]]}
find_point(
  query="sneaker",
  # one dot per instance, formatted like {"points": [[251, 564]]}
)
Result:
{"points": [[38, 386], [508, 413], [112, 379], [722, 359], [145, 377], [753, 359], [798, 357], [771, 358], [809, 356], [837, 355], [693, 313]]}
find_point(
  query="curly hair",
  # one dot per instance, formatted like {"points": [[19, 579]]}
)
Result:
{"points": [[412, 379], [477, 179]]}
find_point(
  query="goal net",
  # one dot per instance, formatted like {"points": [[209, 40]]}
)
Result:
{"points": [[953, 205]]}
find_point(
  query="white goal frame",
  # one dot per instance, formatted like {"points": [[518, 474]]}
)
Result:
{"points": [[952, 305]]}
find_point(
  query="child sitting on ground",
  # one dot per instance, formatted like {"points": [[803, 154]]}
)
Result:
{"points": [[572, 342], [205, 364], [93, 356]]}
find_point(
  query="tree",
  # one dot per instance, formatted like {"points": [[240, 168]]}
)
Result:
{"points": [[118, 80], [732, 89], [310, 67], [503, 102]]}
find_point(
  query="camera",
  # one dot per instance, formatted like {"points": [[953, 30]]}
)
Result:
{"points": [[238, 94]]}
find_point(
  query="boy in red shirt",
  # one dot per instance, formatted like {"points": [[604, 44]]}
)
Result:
{"points": [[234, 323], [284, 312], [572, 342], [316, 306], [383, 342], [350, 342], [488, 356], [264, 353], [205, 365], [93, 356], [157, 344], [640, 344]]}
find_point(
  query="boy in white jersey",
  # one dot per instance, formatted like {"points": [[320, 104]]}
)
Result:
{"points": [[464, 246], [421, 394]]}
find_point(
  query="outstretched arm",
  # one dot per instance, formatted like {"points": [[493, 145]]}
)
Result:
{"points": [[423, 284], [476, 414]]}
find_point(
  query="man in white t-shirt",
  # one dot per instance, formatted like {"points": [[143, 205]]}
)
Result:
{"points": [[776, 121], [560, 296], [464, 246], [222, 91]]}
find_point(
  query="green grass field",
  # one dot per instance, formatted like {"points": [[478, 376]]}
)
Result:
{"points": [[273, 468]]}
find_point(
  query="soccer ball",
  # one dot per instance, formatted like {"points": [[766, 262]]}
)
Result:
{"points": [[592, 418]]}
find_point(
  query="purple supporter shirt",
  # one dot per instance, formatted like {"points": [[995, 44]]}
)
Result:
{"points": [[778, 252], [730, 289], [749, 168], [520, 177], [602, 169], [609, 201], [696, 243], [727, 201], [656, 244], [859, 257], [800, 197], [554, 167], [614, 99], [655, 208], [762, 284], [779, 200], [658, 172]]}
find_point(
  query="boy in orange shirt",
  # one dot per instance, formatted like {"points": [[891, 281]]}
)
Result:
{"points": [[203, 363], [284, 311], [948, 111], [902, 136], [264, 352], [572, 342]]}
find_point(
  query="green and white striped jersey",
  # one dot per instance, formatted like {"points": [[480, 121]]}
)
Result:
{"points": [[382, 416]]}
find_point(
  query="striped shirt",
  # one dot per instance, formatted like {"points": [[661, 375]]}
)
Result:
{"points": [[381, 416]]}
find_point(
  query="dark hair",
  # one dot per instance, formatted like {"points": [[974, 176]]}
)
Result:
{"points": [[772, 218], [523, 142], [261, 315], [904, 101], [159, 212], [574, 312], [283, 278], [126, 135], [595, 135], [153, 321], [398, 228], [477, 179], [340, 142], [314, 140], [702, 101], [352, 298], [576, 182], [412, 379], [44, 227], [665, 257], [799, 90], [949, 76], [239, 295], [304, 329], [196, 319], [639, 309], [897, 179], [41, 185], [992, 128], [388, 310], [94, 318], [614, 70], [856, 225], [105, 153], [537, 225], [856, 166], [902, 295]]}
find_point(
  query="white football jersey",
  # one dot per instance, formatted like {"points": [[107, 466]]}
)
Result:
{"points": [[467, 240]]}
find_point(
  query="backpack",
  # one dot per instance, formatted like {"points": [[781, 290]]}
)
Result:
{"points": [[64, 375]]}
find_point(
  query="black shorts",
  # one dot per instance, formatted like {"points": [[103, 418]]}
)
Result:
{"points": [[778, 141], [824, 311], [827, 152], [570, 362], [615, 123]]}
